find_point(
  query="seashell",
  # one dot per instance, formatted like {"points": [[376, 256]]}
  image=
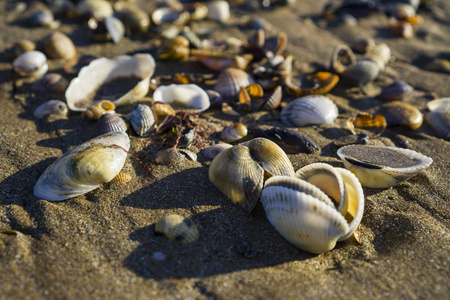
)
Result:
{"points": [[396, 90], [440, 121], [142, 119], [309, 110], [352, 139], [438, 65], [381, 54], [133, 17], [273, 101], [168, 123], [106, 105], [31, 64], [170, 156], [441, 104], [176, 48], [51, 82], [177, 228], [381, 166], [218, 11], [43, 17], [212, 151], [94, 112], [73, 67], [20, 47], [109, 122], [222, 61], [59, 45], [168, 15], [234, 132], [161, 110], [107, 29], [400, 113], [403, 29], [319, 83], [362, 72], [197, 11], [289, 140], [97, 9], [123, 177], [186, 138], [139, 67], [362, 46], [231, 80], [188, 154], [255, 90], [375, 124], [183, 96], [304, 215], [52, 107], [239, 171], [341, 58], [84, 168]]}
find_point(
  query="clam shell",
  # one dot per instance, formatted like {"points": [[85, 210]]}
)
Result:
{"points": [[396, 90], [169, 156], [104, 70], [97, 9], [20, 47], [109, 122], [133, 17], [142, 119], [51, 82], [381, 54], [234, 132], [183, 96], [274, 100], [441, 104], [440, 121], [84, 168], [362, 72], [381, 166], [289, 140], [212, 151], [231, 80], [177, 228], [298, 212], [59, 45], [56, 107], [115, 29], [218, 11], [400, 113], [161, 111], [31, 64], [309, 110]]}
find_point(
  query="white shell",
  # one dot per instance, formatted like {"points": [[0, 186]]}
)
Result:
{"points": [[31, 63], [440, 121], [440, 104], [382, 166], [212, 151], [84, 168], [309, 110], [183, 96], [234, 132], [218, 11], [104, 70], [56, 107], [177, 228]]}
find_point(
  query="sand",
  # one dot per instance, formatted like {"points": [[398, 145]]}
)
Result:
{"points": [[102, 244]]}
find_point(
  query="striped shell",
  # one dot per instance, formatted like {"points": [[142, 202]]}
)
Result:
{"points": [[309, 110], [84, 168], [400, 113], [170, 156], [304, 215], [440, 121], [239, 171], [55, 107], [274, 100], [212, 151], [231, 80], [234, 132], [31, 64], [177, 228], [382, 166], [142, 119], [381, 54], [183, 96], [109, 122], [362, 72]]}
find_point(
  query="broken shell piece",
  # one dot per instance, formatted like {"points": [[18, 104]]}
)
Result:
{"points": [[382, 166], [289, 140], [55, 107], [177, 228], [183, 96], [234, 132], [51, 82], [375, 124], [81, 91], [169, 156], [212, 151], [309, 110], [319, 83], [161, 111]]}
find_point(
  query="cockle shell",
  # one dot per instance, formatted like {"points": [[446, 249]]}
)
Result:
{"points": [[362, 72], [381, 54], [234, 132], [212, 151], [183, 96], [56, 107], [31, 64], [274, 100], [169, 156], [103, 70], [304, 215], [309, 110], [59, 45], [109, 122], [239, 171], [84, 168], [382, 166], [177, 228], [440, 121], [142, 119], [231, 80]]}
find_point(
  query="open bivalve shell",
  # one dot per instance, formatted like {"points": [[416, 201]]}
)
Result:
{"points": [[81, 91], [84, 168], [305, 215], [309, 110], [382, 166], [239, 172], [183, 96]]}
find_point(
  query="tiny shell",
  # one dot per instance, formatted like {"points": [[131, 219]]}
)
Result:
{"points": [[381, 54], [109, 122], [142, 119], [176, 48], [184, 96], [381, 166], [400, 113], [362, 72], [212, 151], [170, 156], [59, 45], [376, 124], [31, 64], [133, 17], [234, 132], [440, 104], [319, 83], [274, 100], [20, 47], [396, 90], [177, 228], [231, 80], [56, 107], [362, 46], [97, 9], [51, 82], [309, 110]]}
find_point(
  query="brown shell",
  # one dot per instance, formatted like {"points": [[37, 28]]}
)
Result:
{"points": [[59, 45], [375, 124], [400, 113], [274, 100]]}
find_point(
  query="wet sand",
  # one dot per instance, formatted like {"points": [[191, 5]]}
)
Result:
{"points": [[102, 244]]}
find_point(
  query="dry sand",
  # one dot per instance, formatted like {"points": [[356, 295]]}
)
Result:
{"points": [[102, 244]]}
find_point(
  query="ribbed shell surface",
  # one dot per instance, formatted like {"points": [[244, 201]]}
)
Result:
{"points": [[142, 119], [110, 122], [363, 72], [440, 121], [231, 80], [300, 217], [309, 110]]}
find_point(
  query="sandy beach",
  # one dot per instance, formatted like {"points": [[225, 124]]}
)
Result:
{"points": [[103, 245]]}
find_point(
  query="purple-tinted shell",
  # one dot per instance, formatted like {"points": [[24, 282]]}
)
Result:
{"points": [[395, 90], [212, 151], [109, 122]]}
